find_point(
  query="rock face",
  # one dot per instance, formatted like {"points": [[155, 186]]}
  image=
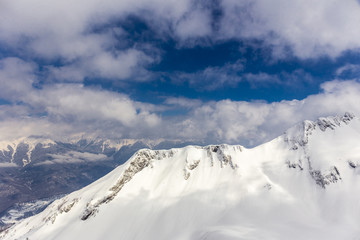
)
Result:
{"points": [[304, 184], [298, 138]]}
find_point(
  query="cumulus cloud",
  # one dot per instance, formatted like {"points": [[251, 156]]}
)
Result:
{"points": [[75, 40], [66, 33], [65, 109], [252, 123], [83, 104], [110, 115], [310, 29], [62, 108], [70, 30], [87, 39]]}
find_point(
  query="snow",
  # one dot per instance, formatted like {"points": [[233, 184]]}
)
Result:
{"points": [[287, 188], [32, 142], [21, 210]]}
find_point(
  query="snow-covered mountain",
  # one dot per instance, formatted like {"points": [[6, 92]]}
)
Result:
{"points": [[304, 184], [34, 168], [37, 150]]}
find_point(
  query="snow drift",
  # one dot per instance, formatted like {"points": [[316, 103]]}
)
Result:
{"points": [[304, 184]]}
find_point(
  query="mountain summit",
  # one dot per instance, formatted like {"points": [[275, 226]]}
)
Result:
{"points": [[301, 185]]}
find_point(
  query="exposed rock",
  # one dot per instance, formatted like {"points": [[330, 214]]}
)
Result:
{"points": [[193, 165], [141, 160], [294, 165], [322, 180], [186, 174], [352, 164], [298, 136]]}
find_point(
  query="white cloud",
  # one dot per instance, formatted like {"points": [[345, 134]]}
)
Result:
{"points": [[95, 110], [122, 65], [64, 29], [16, 78], [61, 109], [74, 109], [252, 123], [7, 165], [311, 29], [119, 65], [65, 109], [74, 157], [195, 24]]}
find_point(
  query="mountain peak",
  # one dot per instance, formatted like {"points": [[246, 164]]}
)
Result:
{"points": [[299, 134]]}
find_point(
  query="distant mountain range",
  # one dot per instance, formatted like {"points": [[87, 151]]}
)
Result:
{"points": [[304, 184], [34, 168]]}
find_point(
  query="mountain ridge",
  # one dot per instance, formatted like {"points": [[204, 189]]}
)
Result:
{"points": [[36, 167], [165, 194]]}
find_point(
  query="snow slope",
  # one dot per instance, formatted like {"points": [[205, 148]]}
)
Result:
{"points": [[35, 167], [304, 184]]}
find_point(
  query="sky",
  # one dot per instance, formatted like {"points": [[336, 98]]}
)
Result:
{"points": [[230, 71]]}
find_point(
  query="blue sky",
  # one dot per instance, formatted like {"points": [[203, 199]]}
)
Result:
{"points": [[238, 72]]}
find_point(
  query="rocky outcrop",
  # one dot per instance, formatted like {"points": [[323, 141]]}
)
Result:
{"points": [[218, 152], [298, 136], [323, 179], [141, 160]]}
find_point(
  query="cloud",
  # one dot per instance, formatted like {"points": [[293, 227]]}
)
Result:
{"points": [[252, 123], [90, 32], [65, 33], [16, 78], [128, 65], [194, 27], [7, 164], [65, 108], [60, 110], [14, 111], [231, 74], [294, 79], [83, 104], [74, 157], [182, 102], [74, 109], [348, 71], [59, 44], [310, 29], [212, 78]]}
